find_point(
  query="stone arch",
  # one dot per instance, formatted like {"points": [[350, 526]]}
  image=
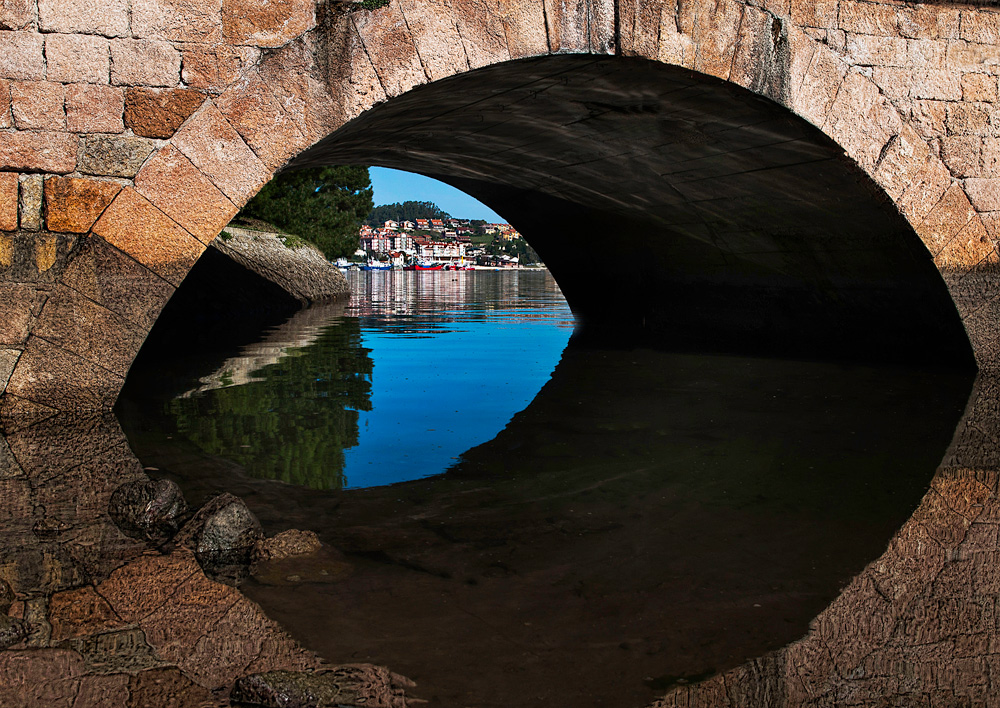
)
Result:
{"points": [[274, 84], [717, 216]]}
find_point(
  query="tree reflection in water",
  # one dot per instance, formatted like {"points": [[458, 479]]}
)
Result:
{"points": [[290, 420], [452, 356], [916, 627]]}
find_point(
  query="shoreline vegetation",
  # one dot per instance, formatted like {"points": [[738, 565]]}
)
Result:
{"points": [[324, 206], [291, 241]]}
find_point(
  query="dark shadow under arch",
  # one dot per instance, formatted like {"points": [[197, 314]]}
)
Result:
{"points": [[674, 208]]}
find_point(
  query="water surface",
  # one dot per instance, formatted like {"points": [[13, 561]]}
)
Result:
{"points": [[392, 386], [648, 519]]}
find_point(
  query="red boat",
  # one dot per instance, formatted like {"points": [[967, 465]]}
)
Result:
{"points": [[420, 266]]}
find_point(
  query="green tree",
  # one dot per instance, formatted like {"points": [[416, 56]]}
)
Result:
{"points": [[324, 205], [407, 211]]}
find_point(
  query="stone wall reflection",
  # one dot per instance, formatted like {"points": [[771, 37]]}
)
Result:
{"points": [[56, 478], [112, 620], [919, 625]]}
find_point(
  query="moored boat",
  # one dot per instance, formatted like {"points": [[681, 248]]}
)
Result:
{"points": [[376, 265]]}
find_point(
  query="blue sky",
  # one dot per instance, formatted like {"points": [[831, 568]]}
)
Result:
{"points": [[393, 186]]}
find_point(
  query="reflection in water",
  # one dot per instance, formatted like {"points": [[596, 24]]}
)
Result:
{"points": [[288, 416], [659, 516], [650, 518], [110, 623], [916, 627], [335, 396], [430, 303], [919, 625]]}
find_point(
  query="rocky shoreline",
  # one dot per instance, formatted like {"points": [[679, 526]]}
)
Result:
{"points": [[246, 281], [301, 269], [127, 597]]}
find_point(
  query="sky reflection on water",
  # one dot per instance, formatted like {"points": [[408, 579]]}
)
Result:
{"points": [[417, 368], [454, 358], [648, 517]]}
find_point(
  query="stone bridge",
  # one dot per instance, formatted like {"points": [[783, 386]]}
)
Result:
{"points": [[815, 177]]}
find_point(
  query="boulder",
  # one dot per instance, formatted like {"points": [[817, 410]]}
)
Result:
{"points": [[292, 542], [148, 509], [293, 557], [223, 535]]}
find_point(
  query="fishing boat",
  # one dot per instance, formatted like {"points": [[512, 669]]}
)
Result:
{"points": [[376, 265], [424, 266]]}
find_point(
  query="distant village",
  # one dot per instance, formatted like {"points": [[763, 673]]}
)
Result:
{"points": [[437, 241]]}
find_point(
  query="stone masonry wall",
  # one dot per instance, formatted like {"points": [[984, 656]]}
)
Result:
{"points": [[131, 131], [89, 94]]}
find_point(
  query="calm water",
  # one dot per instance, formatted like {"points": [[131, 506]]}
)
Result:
{"points": [[413, 371], [589, 526]]}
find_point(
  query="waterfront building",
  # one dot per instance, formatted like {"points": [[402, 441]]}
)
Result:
{"points": [[441, 251]]}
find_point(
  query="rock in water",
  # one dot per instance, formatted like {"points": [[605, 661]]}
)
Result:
{"points": [[323, 566], [148, 509], [352, 685], [286, 544], [222, 535]]}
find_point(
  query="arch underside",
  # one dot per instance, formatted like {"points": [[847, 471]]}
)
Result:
{"points": [[674, 208]]}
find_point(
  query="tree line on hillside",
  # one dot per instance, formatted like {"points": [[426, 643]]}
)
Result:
{"points": [[407, 211], [327, 205]]}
